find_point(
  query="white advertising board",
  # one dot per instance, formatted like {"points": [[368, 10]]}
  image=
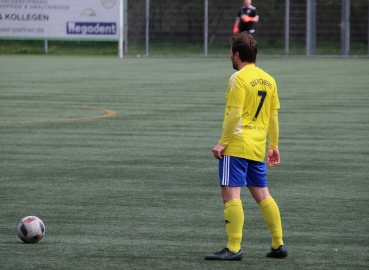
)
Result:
{"points": [[56, 19]]}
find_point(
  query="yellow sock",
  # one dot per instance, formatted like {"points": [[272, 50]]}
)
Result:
{"points": [[234, 219], [273, 219]]}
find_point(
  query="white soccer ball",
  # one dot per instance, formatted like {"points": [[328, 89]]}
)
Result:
{"points": [[31, 229]]}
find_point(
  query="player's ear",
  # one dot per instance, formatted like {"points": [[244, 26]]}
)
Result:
{"points": [[237, 54]]}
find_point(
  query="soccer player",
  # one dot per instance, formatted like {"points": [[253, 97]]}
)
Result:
{"points": [[250, 117], [246, 17]]}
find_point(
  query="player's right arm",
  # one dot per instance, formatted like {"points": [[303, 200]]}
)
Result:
{"points": [[235, 26], [273, 157]]}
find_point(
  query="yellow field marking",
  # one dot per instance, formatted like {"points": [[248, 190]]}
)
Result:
{"points": [[108, 112]]}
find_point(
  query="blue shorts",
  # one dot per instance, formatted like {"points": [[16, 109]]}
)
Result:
{"points": [[240, 172]]}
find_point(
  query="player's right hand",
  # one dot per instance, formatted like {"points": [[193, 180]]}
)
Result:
{"points": [[273, 157], [235, 29]]}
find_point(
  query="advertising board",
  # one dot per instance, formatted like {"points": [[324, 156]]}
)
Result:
{"points": [[55, 19]]}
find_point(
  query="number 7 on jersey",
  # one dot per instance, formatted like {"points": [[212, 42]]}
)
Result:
{"points": [[261, 94]]}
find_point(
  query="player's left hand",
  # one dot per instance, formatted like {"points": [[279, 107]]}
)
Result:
{"points": [[217, 150], [245, 18]]}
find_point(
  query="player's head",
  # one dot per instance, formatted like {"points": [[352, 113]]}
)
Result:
{"points": [[247, 3], [244, 48]]}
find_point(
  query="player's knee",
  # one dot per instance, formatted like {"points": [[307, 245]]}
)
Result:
{"points": [[259, 194], [230, 193]]}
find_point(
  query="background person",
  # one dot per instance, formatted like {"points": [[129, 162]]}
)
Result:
{"points": [[246, 18]]}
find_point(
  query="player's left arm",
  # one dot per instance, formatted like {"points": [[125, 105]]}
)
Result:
{"points": [[231, 124], [233, 120], [256, 16], [273, 157], [246, 19]]}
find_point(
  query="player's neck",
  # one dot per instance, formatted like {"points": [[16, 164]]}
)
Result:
{"points": [[244, 64]]}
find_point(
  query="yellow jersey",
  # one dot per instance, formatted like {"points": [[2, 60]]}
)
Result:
{"points": [[255, 91]]}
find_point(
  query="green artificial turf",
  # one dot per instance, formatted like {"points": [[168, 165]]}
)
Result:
{"points": [[182, 48], [139, 189]]}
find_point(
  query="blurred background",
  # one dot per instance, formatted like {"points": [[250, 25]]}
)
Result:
{"points": [[204, 27]]}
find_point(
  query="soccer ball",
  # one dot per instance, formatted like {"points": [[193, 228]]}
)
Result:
{"points": [[31, 229]]}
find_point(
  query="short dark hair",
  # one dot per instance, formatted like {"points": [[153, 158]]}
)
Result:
{"points": [[245, 44]]}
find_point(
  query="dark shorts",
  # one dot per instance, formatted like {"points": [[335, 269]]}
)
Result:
{"points": [[240, 172]]}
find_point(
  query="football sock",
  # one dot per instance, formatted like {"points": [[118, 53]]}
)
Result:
{"points": [[273, 219], [234, 219]]}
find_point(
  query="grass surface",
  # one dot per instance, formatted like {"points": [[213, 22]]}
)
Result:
{"points": [[159, 48], [139, 189]]}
